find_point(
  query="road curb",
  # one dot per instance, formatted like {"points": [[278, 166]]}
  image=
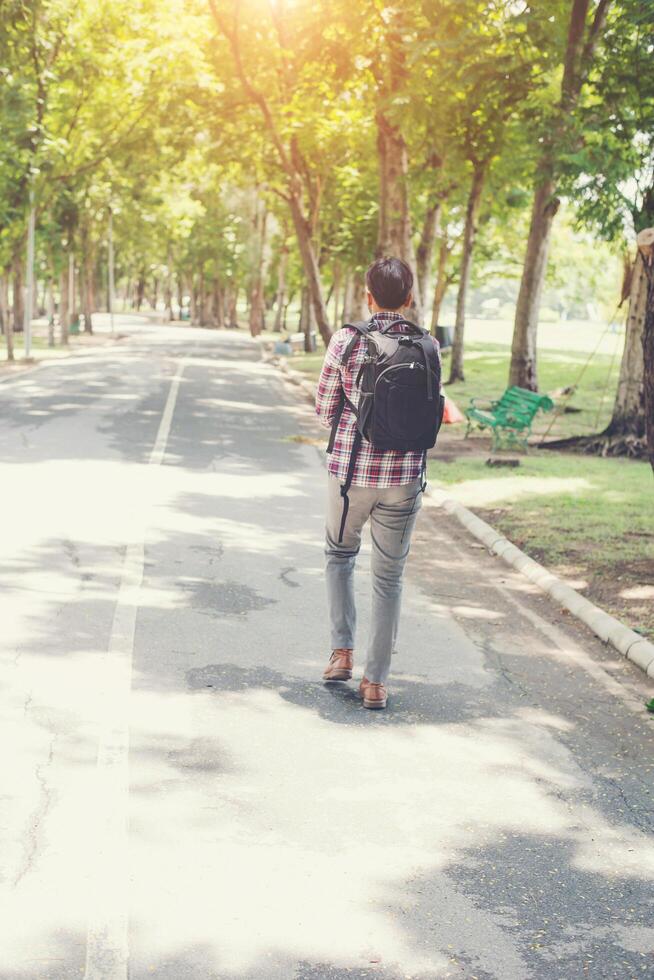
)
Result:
{"points": [[610, 630], [297, 378], [632, 646]]}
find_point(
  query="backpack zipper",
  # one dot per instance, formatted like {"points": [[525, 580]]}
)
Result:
{"points": [[399, 367]]}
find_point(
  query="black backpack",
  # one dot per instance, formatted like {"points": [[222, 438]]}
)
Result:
{"points": [[400, 404]]}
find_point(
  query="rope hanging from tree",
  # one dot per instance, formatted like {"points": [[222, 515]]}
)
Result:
{"points": [[561, 406]]}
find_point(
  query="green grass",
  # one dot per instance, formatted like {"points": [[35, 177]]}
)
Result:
{"points": [[487, 368], [38, 343], [601, 503], [586, 517], [309, 364]]}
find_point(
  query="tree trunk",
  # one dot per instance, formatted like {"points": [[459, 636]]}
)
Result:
{"points": [[70, 302], [49, 310], [442, 282], [195, 306], [218, 304], [310, 263], [281, 288], [201, 301], [430, 232], [648, 352], [347, 298], [233, 307], [287, 305], [523, 371], [394, 233], [18, 297], [256, 298], [168, 289], [4, 302], [580, 49], [628, 419], [88, 303], [355, 301], [306, 320], [646, 251], [180, 292], [7, 325], [140, 291], [469, 235], [207, 303], [98, 286], [256, 317], [64, 309], [336, 292]]}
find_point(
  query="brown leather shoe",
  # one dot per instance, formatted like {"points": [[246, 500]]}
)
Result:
{"points": [[374, 695], [339, 667]]}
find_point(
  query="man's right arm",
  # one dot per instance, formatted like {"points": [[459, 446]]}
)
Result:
{"points": [[330, 383]]}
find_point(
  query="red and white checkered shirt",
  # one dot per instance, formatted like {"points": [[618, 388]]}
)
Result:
{"points": [[373, 468]]}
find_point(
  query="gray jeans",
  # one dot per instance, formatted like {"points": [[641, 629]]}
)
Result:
{"points": [[392, 512]]}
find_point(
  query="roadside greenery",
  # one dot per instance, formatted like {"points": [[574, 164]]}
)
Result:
{"points": [[261, 153], [591, 525]]}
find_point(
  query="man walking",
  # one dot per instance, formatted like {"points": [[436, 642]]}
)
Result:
{"points": [[379, 388]]}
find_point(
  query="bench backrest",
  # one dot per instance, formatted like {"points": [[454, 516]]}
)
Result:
{"points": [[523, 404]]}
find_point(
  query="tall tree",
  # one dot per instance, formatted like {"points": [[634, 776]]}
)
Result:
{"points": [[389, 67], [487, 68], [585, 26], [617, 142], [277, 62], [646, 252]]}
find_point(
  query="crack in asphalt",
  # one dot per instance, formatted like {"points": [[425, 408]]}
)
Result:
{"points": [[38, 817], [283, 575], [635, 814]]}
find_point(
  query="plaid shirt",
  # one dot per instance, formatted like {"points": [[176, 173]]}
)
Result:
{"points": [[373, 468]]}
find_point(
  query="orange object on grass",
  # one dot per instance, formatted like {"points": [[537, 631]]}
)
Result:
{"points": [[451, 413]]}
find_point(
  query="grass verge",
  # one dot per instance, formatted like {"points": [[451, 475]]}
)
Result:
{"points": [[587, 519]]}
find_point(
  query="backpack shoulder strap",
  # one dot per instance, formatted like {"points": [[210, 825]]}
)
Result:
{"points": [[429, 355], [362, 328]]}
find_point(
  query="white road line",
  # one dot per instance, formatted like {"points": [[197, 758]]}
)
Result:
{"points": [[107, 952]]}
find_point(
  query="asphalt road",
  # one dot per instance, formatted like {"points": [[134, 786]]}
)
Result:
{"points": [[183, 798]]}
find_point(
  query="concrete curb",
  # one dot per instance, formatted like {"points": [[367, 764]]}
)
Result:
{"points": [[296, 377], [632, 646]]}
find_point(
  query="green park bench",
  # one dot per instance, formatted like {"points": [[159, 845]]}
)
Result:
{"points": [[510, 417]]}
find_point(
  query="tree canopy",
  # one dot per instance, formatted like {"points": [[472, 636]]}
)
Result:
{"points": [[268, 149]]}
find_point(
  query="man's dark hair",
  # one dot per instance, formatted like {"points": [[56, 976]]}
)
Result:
{"points": [[390, 281]]}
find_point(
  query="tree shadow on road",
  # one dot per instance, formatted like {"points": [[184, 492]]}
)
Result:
{"points": [[412, 702]]}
